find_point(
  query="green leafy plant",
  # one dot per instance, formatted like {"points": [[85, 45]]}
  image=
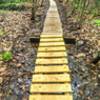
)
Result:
{"points": [[7, 56], [97, 22]]}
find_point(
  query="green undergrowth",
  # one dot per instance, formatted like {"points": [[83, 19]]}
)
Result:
{"points": [[12, 6], [1, 32], [6, 56], [14, 1], [96, 22], [4, 11]]}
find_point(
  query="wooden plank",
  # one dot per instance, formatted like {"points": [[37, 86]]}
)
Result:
{"points": [[51, 36], [52, 49], [34, 39], [50, 88], [46, 69], [52, 61], [49, 39], [55, 21], [51, 97], [50, 28], [65, 77], [53, 13], [51, 44], [69, 40], [52, 54]]}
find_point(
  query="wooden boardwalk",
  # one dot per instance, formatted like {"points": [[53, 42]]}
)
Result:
{"points": [[51, 78]]}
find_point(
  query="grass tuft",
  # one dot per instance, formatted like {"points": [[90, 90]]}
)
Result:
{"points": [[7, 56]]}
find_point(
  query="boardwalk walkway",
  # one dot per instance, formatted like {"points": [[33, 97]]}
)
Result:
{"points": [[51, 79]]}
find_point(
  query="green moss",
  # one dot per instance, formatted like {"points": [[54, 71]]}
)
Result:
{"points": [[7, 56]]}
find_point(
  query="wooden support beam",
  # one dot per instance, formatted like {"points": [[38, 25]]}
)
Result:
{"points": [[69, 40], [66, 40], [35, 40], [96, 59]]}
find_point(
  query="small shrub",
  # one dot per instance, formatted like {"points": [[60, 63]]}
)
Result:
{"points": [[12, 7], [7, 56], [97, 22]]}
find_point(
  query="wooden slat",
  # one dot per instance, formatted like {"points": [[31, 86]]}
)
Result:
{"points": [[45, 69], [49, 39], [51, 78], [52, 49], [53, 88], [51, 36], [52, 13], [52, 61], [53, 54], [50, 24], [51, 97], [52, 44]]}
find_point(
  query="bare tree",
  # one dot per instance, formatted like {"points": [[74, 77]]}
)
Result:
{"points": [[34, 7]]}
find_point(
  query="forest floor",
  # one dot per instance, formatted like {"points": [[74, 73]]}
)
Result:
{"points": [[85, 74], [17, 27]]}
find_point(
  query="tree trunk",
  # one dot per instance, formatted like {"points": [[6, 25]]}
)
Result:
{"points": [[34, 9]]}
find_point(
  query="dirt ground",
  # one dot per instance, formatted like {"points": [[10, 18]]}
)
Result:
{"points": [[15, 75], [85, 74]]}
